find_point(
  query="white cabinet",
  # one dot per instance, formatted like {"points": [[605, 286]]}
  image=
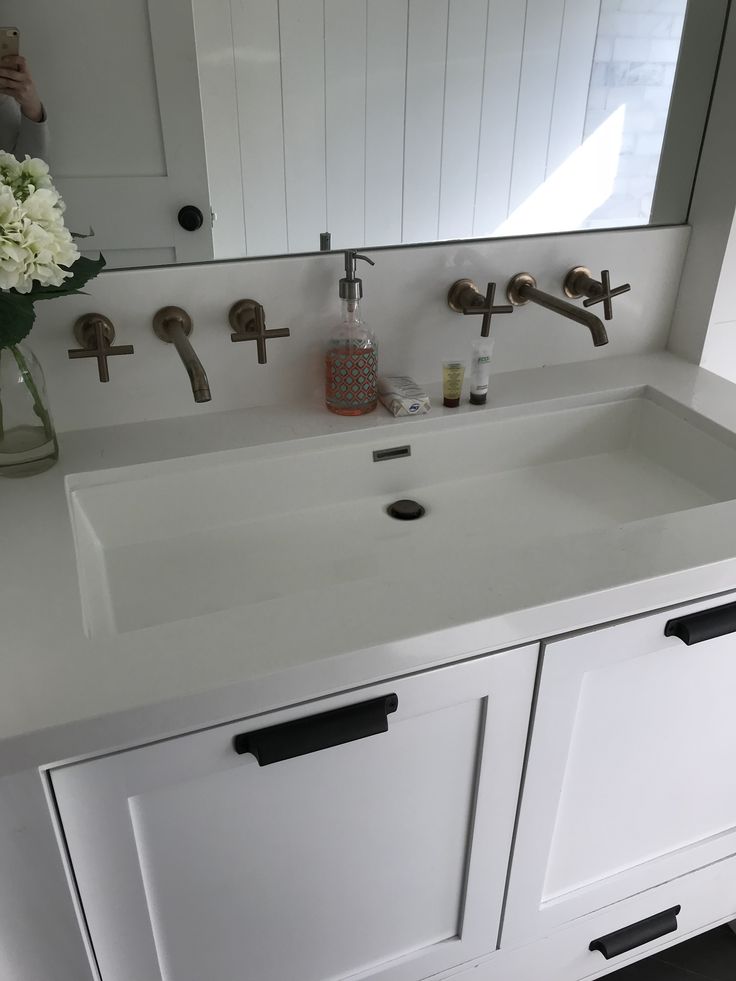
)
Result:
{"points": [[629, 779], [380, 857]]}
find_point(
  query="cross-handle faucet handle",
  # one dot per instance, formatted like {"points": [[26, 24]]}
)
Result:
{"points": [[580, 282], [465, 297], [248, 321], [95, 334]]}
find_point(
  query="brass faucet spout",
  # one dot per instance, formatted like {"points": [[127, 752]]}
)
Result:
{"points": [[174, 325], [194, 367], [523, 289]]}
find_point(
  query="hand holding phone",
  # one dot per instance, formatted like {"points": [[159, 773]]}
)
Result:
{"points": [[15, 79], [9, 42]]}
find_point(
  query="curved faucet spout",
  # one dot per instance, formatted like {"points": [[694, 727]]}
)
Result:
{"points": [[523, 289], [194, 367], [173, 325]]}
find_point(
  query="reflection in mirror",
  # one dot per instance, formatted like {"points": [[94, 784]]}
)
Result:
{"points": [[382, 122]]}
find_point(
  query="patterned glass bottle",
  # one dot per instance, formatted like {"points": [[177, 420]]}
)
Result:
{"points": [[351, 359], [351, 366]]}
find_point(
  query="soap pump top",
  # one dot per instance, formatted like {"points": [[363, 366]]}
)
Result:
{"points": [[351, 286], [351, 359]]}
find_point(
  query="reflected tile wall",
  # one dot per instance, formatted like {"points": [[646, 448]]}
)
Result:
{"points": [[634, 66]]}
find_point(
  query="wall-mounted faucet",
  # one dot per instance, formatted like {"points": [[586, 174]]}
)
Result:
{"points": [[174, 325], [248, 321], [95, 334], [580, 282], [522, 289], [465, 297]]}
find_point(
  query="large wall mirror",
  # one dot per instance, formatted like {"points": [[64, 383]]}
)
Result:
{"points": [[380, 122]]}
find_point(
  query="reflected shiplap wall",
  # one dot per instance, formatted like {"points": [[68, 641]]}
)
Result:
{"points": [[387, 121]]}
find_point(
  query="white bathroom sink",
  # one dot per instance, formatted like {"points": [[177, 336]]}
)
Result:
{"points": [[179, 539]]}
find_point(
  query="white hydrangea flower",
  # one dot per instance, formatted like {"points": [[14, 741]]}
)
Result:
{"points": [[36, 247]]}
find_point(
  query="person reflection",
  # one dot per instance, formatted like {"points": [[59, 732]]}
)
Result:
{"points": [[23, 128]]}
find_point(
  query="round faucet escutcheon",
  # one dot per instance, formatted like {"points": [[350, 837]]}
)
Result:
{"points": [[406, 510]]}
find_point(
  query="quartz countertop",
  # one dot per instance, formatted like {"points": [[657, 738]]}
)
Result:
{"points": [[65, 695]]}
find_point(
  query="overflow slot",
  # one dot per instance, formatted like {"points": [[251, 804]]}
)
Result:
{"points": [[395, 453]]}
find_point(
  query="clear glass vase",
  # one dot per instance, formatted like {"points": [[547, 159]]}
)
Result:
{"points": [[28, 442]]}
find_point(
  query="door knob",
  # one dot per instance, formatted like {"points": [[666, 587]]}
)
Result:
{"points": [[190, 218]]}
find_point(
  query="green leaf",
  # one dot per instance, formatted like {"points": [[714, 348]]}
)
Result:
{"points": [[83, 271], [17, 314], [16, 317]]}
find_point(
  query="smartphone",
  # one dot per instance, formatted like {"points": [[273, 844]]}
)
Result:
{"points": [[9, 41]]}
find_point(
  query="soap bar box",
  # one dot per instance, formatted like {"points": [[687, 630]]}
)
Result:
{"points": [[402, 396]]}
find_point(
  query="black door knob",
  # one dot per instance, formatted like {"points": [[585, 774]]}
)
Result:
{"points": [[190, 218]]}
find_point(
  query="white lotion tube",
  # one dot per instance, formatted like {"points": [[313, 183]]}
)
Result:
{"points": [[480, 371]]}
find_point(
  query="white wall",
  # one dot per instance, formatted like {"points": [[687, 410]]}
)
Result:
{"points": [[706, 303], [405, 302], [719, 351]]}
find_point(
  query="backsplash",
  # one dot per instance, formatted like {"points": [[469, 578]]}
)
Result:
{"points": [[405, 303]]}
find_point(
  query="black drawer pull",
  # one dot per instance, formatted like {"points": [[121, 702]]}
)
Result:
{"points": [[637, 934], [302, 736], [706, 625]]}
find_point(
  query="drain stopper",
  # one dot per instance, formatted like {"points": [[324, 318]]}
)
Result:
{"points": [[405, 510]]}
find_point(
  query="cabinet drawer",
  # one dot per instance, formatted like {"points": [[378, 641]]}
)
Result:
{"points": [[365, 835], [706, 897], [627, 783]]}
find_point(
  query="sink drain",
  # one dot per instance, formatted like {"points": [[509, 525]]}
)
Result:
{"points": [[406, 510]]}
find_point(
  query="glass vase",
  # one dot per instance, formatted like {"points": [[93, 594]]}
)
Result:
{"points": [[28, 442]]}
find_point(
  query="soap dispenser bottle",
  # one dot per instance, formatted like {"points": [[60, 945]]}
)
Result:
{"points": [[351, 359]]}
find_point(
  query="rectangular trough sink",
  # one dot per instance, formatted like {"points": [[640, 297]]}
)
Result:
{"points": [[168, 541]]}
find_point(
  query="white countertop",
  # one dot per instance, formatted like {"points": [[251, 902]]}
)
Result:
{"points": [[63, 694]]}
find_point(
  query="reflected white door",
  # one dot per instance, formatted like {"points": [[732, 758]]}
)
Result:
{"points": [[120, 84]]}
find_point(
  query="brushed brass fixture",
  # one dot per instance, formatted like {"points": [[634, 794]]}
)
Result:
{"points": [[580, 282], [522, 289], [174, 325], [248, 321], [95, 334], [465, 297]]}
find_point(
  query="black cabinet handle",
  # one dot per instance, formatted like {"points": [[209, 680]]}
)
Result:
{"points": [[706, 625], [302, 736], [637, 934]]}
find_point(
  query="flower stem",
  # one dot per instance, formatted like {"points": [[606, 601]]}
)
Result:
{"points": [[38, 407]]}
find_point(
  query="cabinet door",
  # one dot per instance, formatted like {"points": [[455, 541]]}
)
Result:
{"points": [[383, 857], [629, 780]]}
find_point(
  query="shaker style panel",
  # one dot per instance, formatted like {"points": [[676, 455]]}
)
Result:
{"points": [[363, 835], [627, 783]]}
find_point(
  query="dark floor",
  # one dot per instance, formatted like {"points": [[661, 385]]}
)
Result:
{"points": [[710, 956]]}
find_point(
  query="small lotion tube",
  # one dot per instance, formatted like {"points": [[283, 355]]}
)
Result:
{"points": [[453, 374], [480, 371]]}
